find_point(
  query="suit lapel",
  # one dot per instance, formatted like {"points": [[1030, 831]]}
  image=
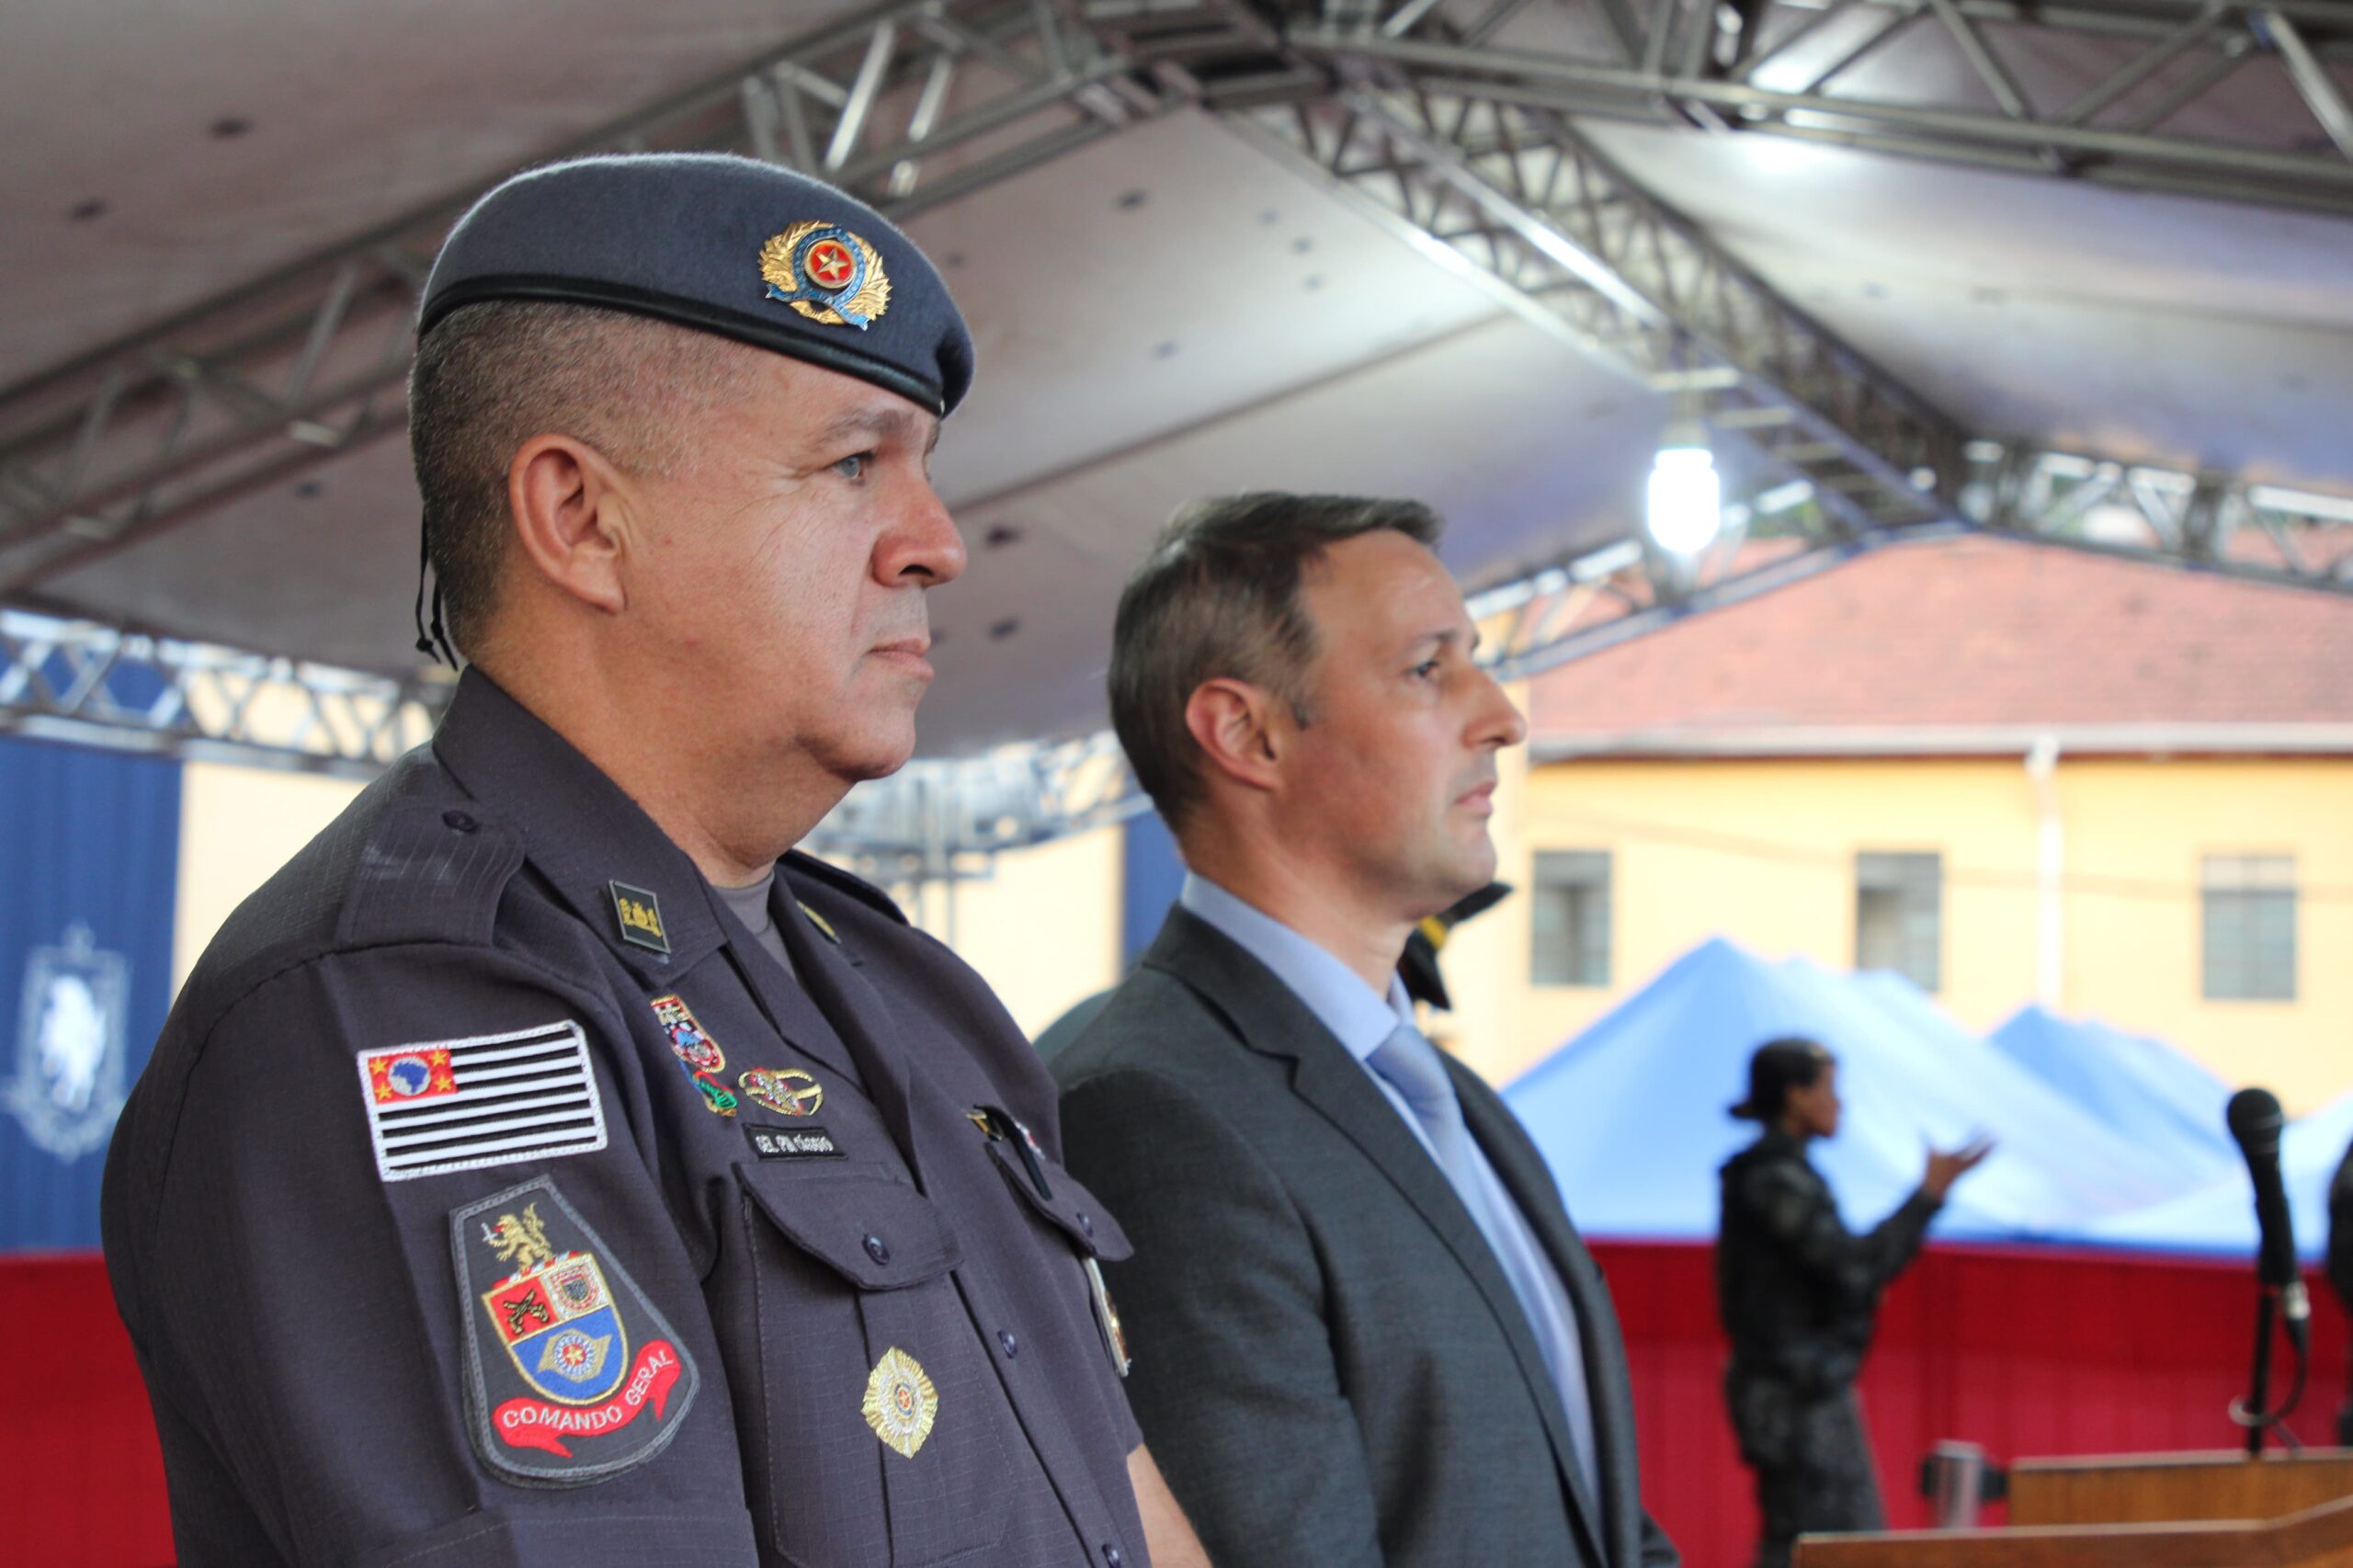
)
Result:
{"points": [[1271, 1019], [1531, 1188]]}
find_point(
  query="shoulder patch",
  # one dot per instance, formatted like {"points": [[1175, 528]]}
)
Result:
{"points": [[866, 892], [431, 870], [499, 1100], [572, 1375]]}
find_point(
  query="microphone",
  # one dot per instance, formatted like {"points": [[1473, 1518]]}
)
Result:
{"points": [[2254, 1121]]}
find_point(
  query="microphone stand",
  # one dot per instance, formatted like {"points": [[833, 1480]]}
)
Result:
{"points": [[2258, 1393], [2252, 1413]]}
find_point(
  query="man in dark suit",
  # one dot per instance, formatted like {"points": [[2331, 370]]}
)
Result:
{"points": [[1364, 1329]]}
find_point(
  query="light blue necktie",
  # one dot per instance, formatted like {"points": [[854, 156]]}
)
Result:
{"points": [[1412, 1066]]}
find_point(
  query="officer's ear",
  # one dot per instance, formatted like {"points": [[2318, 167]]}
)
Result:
{"points": [[569, 503], [1238, 727]]}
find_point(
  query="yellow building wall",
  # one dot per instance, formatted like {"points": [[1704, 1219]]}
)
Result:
{"points": [[1763, 852], [1043, 929], [238, 826]]}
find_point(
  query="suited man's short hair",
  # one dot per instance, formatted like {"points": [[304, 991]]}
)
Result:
{"points": [[1217, 596]]}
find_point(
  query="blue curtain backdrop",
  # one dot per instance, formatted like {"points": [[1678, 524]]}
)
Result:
{"points": [[89, 871]]}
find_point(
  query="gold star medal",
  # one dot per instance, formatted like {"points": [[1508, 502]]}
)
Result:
{"points": [[901, 1404], [828, 274]]}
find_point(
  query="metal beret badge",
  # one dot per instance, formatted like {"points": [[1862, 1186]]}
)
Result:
{"points": [[828, 274]]}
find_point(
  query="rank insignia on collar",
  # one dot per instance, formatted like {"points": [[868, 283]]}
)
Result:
{"points": [[901, 1403], [788, 1091], [825, 927], [640, 914], [696, 1051], [592, 1380], [828, 274]]}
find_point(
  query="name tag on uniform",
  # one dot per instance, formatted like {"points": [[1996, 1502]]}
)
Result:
{"points": [[791, 1143]]}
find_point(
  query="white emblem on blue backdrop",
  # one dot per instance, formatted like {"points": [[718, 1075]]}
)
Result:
{"points": [[68, 1087]]}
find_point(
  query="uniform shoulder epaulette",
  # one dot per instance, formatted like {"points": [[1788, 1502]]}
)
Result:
{"points": [[431, 870], [859, 888]]}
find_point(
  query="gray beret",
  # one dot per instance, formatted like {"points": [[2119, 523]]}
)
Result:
{"points": [[723, 244]]}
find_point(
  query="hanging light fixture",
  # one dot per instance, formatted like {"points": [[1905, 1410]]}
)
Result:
{"points": [[1686, 497]]}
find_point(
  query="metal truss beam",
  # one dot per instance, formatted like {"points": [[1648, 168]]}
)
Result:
{"points": [[941, 821], [105, 685], [2216, 522], [2138, 94], [944, 820], [1516, 201], [908, 104]]}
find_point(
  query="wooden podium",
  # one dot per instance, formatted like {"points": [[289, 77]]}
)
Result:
{"points": [[2200, 1510]]}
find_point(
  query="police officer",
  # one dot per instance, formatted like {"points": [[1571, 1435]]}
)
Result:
{"points": [[548, 1165], [1798, 1294]]}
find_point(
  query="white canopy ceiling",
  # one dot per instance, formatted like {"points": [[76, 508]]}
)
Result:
{"points": [[1161, 315]]}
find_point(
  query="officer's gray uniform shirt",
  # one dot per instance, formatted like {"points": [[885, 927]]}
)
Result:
{"points": [[752, 904], [1369, 1025], [456, 1223]]}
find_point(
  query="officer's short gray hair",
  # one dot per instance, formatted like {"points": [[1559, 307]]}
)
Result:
{"points": [[495, 374], [1218, 598]]}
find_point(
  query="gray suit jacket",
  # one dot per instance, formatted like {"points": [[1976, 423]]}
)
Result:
{"points": [[1330, 1365]]}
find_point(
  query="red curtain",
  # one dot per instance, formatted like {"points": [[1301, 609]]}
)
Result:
{"points": [[2024, 1350]]}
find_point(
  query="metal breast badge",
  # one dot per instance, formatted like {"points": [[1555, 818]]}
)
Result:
{"points": [[901, 1403]]}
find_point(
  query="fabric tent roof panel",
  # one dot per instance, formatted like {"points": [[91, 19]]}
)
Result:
{"points": [[2142, 1087], [1631, 1114]]}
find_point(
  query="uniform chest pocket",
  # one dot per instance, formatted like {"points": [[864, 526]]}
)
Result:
{"points": [[883, 1438], [1063, 1204]]}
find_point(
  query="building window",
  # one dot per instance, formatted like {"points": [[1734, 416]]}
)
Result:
{"points": [[1900, 915], [2250, 919], [1571, 918]]}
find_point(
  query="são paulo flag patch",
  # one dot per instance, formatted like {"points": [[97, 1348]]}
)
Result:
{"points": [[572, 1375]]}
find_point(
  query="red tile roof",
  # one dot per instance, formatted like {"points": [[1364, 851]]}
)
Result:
{"points": [[1968, 632]]}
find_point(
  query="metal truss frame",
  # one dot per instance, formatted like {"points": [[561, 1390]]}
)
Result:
{"points": [[2205, 520], [1991, 90], [945, 819], [1409, 111], [908, 104], [126, 690], [1517, 201]]}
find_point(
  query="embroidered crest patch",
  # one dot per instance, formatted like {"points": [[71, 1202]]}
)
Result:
{"points": [[697, 1052], [572, 1374], [901, 1403], [462, 1105], [688, 1041]]}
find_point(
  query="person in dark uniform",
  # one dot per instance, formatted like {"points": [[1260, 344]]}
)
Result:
{"points": [[548, 1166], [1798, 1294]]}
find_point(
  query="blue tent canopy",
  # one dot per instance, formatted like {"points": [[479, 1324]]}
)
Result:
{"points": [[2144, 1089], [1630, 1113], [2219, 1216]]}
